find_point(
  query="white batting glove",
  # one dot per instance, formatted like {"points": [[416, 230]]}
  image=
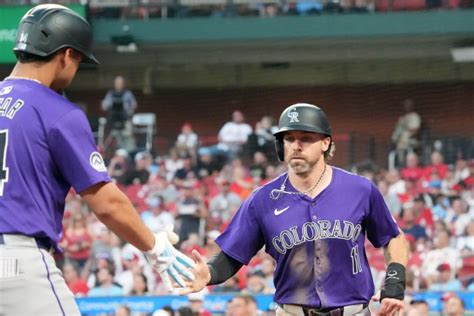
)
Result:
{"points": [[168, 261]]}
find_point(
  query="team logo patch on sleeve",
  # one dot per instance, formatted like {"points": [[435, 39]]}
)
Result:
{"points": [[97, 162]]}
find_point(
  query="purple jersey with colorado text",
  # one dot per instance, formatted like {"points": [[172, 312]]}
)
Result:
{"points": [[46, 146], [318, 244]]}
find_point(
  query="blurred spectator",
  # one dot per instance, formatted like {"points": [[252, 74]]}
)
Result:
{"points": [[173, 162], [196, 301], [445, 280], [77, 285], [441, 253], [211, 247], [256, 283], [234, 134], [134, 264], [412, 169], [229, 286], [219, 206], [418, 308], [461, 170], [140, 285], [465, 242], [139, 173], [242, 305], [118, 165], [408, 222], [77, 241], [123, 310], [262, 139], [440, 207], [207, 165], [157, 217], [120, 104], [191, 213], [453, 305], [187, 141], [106, 286], [404, 136], [258, 166], [458, 216], [437, 165], [396, 183], [187, 174], [184, 311], [165, 311], [392, 200], [267, 267], [242, 183]]}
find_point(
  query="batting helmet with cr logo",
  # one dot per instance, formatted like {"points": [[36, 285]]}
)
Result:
{"points": [[300, 117], [47, 28]]}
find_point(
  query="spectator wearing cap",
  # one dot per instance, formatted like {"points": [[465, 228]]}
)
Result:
{"points": [[445, 280], [453, 305], [418, 308], [219, 206], [140, 172], [134, 264], [188, 141], [157, 217], [196, 301], [242, 305]]}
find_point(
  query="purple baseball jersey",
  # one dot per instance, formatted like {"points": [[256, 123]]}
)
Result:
{"points": [[46, 146], [318, 244]]}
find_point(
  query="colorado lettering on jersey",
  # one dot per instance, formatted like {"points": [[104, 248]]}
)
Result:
{"points": [[311, 231], [8, 108]]}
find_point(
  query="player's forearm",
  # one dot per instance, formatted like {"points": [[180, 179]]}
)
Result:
{"points": [[114, 209], [397, 250]]}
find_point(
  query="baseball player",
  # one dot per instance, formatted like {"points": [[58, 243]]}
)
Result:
{"points": [[313, 221], [46, 146]]}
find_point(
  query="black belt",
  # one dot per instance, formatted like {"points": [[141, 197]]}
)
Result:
{"points": [[338, 311], [43, 243]]}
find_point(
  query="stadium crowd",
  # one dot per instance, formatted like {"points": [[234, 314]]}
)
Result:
{"points": [[198, 189], [120, 9]]}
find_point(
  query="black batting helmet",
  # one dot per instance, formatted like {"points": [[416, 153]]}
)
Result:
{"points": [[300, 117], [47, 28]]}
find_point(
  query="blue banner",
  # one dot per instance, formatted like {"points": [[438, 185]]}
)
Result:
{"points": [[216, 303]]}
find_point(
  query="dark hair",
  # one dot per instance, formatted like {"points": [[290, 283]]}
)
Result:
{"points": [[26, 58]]}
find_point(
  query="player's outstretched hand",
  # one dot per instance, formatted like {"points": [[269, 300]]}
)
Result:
{"points": [[202, 275], [169, 262], [389, 306]]}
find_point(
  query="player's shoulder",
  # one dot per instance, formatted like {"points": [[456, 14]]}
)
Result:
{"points": [[265, 189], [349, 178]]}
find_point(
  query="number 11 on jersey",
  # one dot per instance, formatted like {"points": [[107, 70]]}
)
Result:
{"points": [[356, 266], [3, 159]]}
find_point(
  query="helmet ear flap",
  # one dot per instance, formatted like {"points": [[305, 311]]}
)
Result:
{"points": [[280, 149]]}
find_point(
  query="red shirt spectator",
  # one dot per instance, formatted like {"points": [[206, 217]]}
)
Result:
{"points": [[77, 285], [437, 165], [412, 170]]}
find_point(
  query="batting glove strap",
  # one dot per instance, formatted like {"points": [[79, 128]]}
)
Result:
{"points": [[394, 285]]}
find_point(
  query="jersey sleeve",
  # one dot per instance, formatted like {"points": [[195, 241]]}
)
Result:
{"points": [[75, 153], [381, 226], [243, 238]]}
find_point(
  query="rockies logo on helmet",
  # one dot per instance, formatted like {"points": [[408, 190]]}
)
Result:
{"points": [[293, 115]]}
